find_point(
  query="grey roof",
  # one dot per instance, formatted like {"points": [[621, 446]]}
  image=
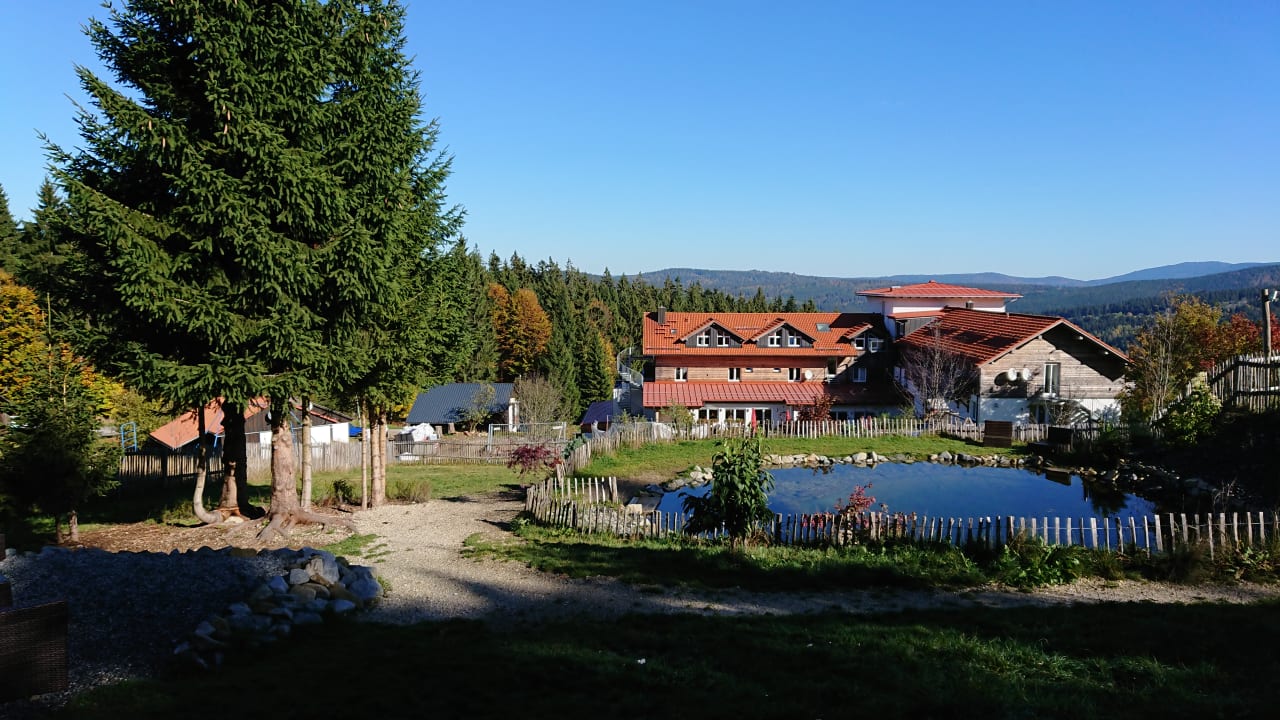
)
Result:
{"points": [[599, 411], [446, 404]]}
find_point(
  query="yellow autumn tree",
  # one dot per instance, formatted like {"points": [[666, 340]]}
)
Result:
{"points": [[522, 328], [21, 335]]}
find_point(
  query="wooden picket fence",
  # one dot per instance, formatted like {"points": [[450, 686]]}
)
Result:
{"points": [[591, 505], [1250, 382]]}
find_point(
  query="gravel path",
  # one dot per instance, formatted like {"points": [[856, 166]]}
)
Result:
{"points": [[432, 579]]}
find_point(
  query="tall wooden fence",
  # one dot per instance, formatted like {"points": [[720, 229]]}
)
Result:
{"points": [[1251, 382], [142, 470], [590, 505]]}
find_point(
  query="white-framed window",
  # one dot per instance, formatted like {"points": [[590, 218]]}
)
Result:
{"points": [[708, 415], [722, 340], [794, 374], [793, 341], [735, 374], [704, 339], [859, 374], [1052, 378], [682, 374], [775, 340], [859, 343], [874, 345]]}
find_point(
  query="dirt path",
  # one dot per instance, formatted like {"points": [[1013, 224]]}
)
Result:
{"points": [[420, 554]]}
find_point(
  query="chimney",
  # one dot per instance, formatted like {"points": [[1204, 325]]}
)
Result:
{"points": [[662, 315]]}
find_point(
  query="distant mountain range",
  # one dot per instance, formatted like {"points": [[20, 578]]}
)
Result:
{"points": [[832, 293], [1110, 307]]}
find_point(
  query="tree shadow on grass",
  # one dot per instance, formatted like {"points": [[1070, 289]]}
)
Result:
{"points": [[1100, 661]]}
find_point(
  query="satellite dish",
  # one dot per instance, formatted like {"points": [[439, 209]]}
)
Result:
{"points": [[808, 374], [1011, 375], [1025, 375]]}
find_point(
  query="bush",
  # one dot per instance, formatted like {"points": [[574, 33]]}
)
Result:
{"points": [[1028, 562], [738, 501], [1191, 418], [1188, 564], [338, 492], [415, 491]]}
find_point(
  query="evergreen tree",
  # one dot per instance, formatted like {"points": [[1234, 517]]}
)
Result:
{"points": [[244, 207], [597, 368], [561, 370], [10, 249]]}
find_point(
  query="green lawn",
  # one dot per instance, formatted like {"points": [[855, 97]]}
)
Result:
{"points": [[665, 460], [1137, 660]]}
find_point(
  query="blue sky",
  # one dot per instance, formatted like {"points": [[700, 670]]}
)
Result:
{"points": [[1084, 139]]}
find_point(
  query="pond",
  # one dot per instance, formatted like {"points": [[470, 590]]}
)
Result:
{"points": [[936, 490]]}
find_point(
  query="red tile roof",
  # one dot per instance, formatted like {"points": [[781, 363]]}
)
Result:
{"points": [[696, 394], [983, 336], [185, 428], [668, 338], [935, 289]]}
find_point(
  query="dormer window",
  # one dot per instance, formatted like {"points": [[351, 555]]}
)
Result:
{"points": [[793, 341], [704, 339], [874, 345], [722, 341], [775, 340], [859, 343]]}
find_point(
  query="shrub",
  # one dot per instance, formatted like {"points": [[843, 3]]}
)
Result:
{"points": [[416, 491], [533, 458], [1028, 562], [738, 501], [1190, 418]]}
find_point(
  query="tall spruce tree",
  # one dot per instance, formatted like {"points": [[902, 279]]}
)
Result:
{"points": [[10, 250], [246, 200]]}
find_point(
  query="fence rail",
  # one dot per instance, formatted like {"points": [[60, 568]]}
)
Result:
{"points": [[585, 504], [1247, 381]]}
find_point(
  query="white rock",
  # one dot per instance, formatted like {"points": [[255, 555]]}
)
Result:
{"points": [[297, 576]]}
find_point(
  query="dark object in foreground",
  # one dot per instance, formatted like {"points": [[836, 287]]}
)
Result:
{"points": [[33, 650]]}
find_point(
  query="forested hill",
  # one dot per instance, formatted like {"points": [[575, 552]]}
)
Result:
{"points": [[1111, 309]]}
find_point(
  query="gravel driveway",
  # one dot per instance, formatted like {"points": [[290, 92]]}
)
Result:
{"points": [[432, 579]]}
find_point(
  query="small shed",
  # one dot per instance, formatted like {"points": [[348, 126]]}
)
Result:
{"points": [[599, 416]]}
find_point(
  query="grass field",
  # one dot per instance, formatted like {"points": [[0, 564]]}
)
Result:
{"points": [[1135, 660], [664, 460]]}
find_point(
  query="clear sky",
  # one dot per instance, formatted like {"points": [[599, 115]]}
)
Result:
{"points": [[841, 138]]}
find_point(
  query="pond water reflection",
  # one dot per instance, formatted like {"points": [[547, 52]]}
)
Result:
{"points": [[936, 490]]}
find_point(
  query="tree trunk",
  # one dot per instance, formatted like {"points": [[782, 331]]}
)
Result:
{"points": [[235, 464], [365, 445], [285, 510], [379, 457], [73, 526], [202, 474], [284, 485], [306, 453]]}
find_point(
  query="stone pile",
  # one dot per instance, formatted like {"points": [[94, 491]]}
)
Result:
{"points": [[315, 587]]}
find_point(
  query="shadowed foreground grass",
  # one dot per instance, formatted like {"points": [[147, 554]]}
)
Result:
{"points": [[1091, 661]]}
